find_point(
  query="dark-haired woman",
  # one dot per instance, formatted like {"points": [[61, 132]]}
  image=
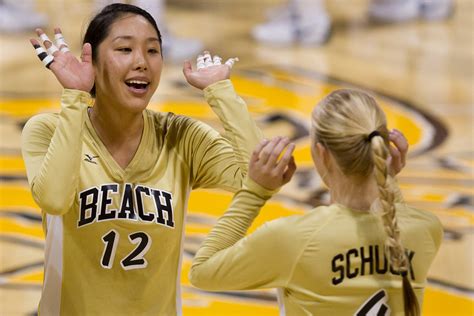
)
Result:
{"points": [[368, 253], [113, 178]]}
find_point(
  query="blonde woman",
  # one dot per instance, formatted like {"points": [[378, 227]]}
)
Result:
{"points": [[368, 253]]}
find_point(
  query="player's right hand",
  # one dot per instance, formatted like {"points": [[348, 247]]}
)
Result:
{"points": [[71, 72], [398, 152], [266, 169]]}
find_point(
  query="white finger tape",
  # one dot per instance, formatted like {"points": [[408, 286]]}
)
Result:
{"points": [[61, 42], [207, 59], [44, 38], [217, 60], [43, 55], [201, 65], [200, 62], [48, 60], [53, 49], [39, 50], [230, 62], [64, 49]]}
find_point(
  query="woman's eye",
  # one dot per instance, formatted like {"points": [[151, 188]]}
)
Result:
{"points": [[124, 49], [153, 51]]}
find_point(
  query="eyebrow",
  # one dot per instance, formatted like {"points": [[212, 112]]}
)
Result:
{"points": [[129, 37]]}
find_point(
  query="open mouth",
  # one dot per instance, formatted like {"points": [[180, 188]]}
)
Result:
{"points": [[137, 85]]}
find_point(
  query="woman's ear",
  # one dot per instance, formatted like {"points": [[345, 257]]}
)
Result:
{"points": [[323, 154]]}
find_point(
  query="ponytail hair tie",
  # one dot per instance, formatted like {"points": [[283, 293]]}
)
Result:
{"points": [[372, 135]]}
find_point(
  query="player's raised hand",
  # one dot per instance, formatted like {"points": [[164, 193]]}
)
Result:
{"points": [[267, 168], [209, 70], [71, 72], [398, 152]]}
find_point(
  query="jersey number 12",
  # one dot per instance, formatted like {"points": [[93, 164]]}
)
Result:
{"points": [[135, 259]]}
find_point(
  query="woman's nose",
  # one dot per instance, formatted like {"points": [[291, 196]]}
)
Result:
{"points": [[140, 62]]}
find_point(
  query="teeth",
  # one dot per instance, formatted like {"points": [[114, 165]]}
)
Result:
{"points": [[137, 82]]}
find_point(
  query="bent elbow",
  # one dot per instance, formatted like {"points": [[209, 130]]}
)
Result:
{"points": [[53, 207], [53, 204], [196, 279], [193, 277]]}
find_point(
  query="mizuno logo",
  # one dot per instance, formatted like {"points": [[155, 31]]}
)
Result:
{"points": [[90, 158]]}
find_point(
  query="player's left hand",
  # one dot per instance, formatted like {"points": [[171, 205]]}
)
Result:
{"points": [[209, 70], [398, 152], [266, 169]]}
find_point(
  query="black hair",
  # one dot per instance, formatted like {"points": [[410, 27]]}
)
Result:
{"points": [[99, 26]]}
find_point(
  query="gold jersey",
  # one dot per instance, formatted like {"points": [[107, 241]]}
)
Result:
{"points": [[329, 261], [114, 236]]}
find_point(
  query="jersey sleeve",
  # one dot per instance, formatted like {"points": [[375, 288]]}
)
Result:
{"points": [[436, 231], [229, 261], [51, 149], [222, 160]]}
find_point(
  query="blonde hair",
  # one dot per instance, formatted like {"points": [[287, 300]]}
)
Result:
{"points": [[351, 125]]}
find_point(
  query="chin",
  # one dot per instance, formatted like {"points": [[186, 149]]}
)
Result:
{"points": [[137, 102], [139, 106]]}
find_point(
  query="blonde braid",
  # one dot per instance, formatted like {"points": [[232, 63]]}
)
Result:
{"points": [[393, 246]]}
